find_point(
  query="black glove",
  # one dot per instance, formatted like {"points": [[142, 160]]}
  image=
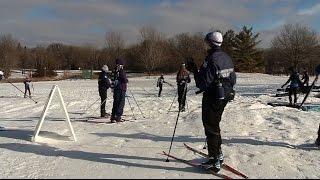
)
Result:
{"points": [[191, 65]]}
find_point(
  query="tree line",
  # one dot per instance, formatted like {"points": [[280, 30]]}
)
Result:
{"points": [[296, 45]]}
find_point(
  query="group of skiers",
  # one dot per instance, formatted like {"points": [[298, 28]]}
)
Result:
{"points": [[296, 84], [119, 86], [215, 78]]}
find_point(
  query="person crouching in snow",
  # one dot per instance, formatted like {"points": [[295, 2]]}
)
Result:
{"points": [[104, 85], [27, 83], [119, 86], [295, 84]]}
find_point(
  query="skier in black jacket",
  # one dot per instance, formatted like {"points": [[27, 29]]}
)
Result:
{"points": [[305, 78], [119, 86], [183, 79], [104, 85], [160, 84], [216, 79]]}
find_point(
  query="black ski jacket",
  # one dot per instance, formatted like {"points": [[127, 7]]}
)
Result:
{"points": [[217, 68], [103, 81]]}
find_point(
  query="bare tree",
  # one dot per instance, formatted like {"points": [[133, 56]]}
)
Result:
{"points": [[295, 45], [8, 53], [151, 52], [115, 44]]}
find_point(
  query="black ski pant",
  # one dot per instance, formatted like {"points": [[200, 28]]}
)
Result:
{"points": [[293, 91], [118, 103], [160, 90], [182, 95], [211, 116], [103, 97], [27, 89]]}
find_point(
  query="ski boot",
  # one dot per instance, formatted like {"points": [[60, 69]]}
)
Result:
{"points": [[113, 119], [118, 119], [221, 158], [212, 164], [318, 142]]}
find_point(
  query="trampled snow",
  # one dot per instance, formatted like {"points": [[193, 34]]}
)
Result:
{"points": [[259, 140]]}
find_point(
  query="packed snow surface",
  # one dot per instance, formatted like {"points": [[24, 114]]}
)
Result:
{"points": [[259, 140]]}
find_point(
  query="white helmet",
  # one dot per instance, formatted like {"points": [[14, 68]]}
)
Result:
{"points": [[1, 73], [105, 68], [214, 38]]}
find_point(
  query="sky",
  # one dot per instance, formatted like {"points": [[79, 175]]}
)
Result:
{"points": [[79, 22]]}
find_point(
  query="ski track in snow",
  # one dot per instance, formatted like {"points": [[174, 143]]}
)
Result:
{"points": [[259, 140]]}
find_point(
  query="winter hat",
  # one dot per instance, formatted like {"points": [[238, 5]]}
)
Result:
{"points": [[119, 61], [214, 38], [105, 68]]}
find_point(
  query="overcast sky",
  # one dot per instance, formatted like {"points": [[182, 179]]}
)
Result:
{"points": [[86, 21]]}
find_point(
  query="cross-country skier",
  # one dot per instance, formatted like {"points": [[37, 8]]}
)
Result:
{"points": [[216, 79], [183, 79], [119, 86], [160, 84], [305, 78], [104, 85], [27, 84], [295, 84]]}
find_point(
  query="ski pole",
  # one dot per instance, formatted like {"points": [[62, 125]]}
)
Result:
{"points": [[22, 92], [172, 102], [175, 127], [101, 104], [137, 103], [131, 108], [85, 111], [32, 87], [187, 105], [317, 70]]}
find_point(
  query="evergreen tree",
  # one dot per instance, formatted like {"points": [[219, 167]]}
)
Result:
{"points": [[229, 42], [246, 54]]}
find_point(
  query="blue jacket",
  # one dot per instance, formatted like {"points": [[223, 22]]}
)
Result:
{"points": [[217, 68]]}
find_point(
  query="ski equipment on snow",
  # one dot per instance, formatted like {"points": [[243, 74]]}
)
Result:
{"points": [[224, 165], [197, 165]]}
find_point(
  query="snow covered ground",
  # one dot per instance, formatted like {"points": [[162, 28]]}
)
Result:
{"points": [[259, 140]]}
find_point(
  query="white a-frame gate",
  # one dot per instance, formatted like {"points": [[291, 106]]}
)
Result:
{"points": [[45, 110]]}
